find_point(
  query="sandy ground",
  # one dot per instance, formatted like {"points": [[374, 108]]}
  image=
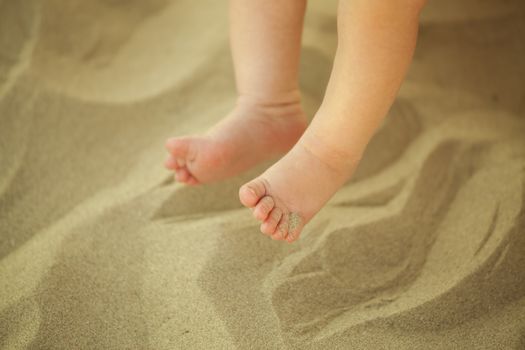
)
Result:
{"points": [[100, 249]]}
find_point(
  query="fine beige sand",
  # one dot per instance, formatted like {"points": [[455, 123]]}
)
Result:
{"points": [[100, 249]]}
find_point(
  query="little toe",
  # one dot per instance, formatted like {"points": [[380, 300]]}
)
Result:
{"points": [[182, 175], [293, 235], [250, 193], [295, 226], [268, 227], [263, 208]]}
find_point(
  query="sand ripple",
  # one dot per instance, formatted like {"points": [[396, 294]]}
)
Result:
{"points": [[423, 248]]}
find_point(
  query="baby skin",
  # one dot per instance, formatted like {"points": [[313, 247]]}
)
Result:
{"points": [[376, 40]]}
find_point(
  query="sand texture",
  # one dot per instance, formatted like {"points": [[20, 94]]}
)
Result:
{"points": [[100, 249]]}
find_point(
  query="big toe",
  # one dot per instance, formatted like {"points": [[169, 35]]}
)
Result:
{"points": [[252, 192]]}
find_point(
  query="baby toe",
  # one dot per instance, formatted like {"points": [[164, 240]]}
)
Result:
{"points": [[295, 226], [293, 236], [263, 208], [268, 226]]}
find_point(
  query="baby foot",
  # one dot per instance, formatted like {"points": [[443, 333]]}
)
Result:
{"points": [[253, 132], [287, 195]]}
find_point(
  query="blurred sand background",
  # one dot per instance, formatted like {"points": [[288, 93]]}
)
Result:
{"points": [[100, 249]]}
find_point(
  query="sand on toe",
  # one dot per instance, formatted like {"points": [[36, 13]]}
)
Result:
{"points": [[99, 248]]}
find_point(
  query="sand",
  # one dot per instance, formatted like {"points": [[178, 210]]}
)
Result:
{"points": [[100, 249]]}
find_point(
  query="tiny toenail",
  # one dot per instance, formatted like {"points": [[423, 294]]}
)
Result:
{"points": [[181, 162]]}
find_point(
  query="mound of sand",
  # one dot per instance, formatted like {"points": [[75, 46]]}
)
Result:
{"points": [[423, 248]]}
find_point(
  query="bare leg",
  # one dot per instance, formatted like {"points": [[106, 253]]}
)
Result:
{"points": [[375, 45], [267, 119]]}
